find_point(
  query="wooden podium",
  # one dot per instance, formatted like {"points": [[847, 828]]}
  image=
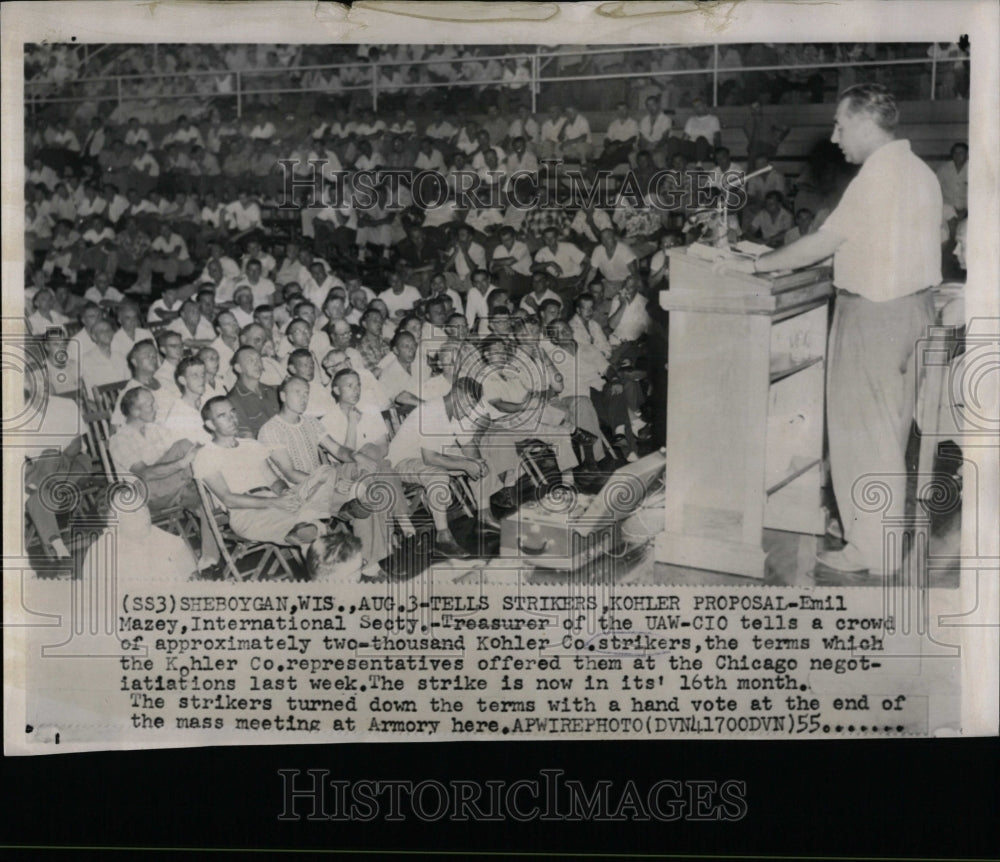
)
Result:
{"points": [[745, 412]]}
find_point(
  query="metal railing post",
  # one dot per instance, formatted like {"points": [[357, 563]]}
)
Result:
{"points": [[534, 82], [118, 81], [239, 95], [715, 76], [374, 69], [934, 54]]}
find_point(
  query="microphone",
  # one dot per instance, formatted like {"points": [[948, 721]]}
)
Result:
{"points": [[739, 182]]}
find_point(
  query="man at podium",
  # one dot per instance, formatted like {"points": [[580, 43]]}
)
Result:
{"points": [[884, 238]]}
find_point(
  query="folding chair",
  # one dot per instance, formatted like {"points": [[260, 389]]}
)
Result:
{"points": [[105, 397], [530, 451], [173, 519], [91, 490], [235, 550]]}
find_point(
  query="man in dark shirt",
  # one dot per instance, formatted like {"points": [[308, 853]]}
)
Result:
{"points": [[421, 252], [254, 402]]}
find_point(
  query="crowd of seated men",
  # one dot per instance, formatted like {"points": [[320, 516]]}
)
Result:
{"points": [[235, 359], [152, 268]]}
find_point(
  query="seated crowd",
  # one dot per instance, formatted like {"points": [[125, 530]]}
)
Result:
{"points": [[369, 356]]}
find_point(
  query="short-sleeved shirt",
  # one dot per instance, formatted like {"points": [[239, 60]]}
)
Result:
{"points": [[98, 369], [244, 467], [578, 127], [622, 130], [60, 425], [581, 225], [614, 268], [702, 127], [253, 408], [173, 243], [130, 446], [518, 251], [533, 303], [403, 301], [427, 427], [395, 379], [182, 421], [655, 130], [567, 256], [371, 426], [162, 397], [122, 344], [202, 332], [634, 320], [890, 217], [300, 440], [771, 227]]}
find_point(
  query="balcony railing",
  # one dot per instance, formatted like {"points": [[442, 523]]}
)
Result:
{"points": [[242, 86]]}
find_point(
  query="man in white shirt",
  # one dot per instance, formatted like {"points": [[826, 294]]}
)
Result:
{"points": [[147, 450], [884, 238], [254, 252], [773, 221], [143, 362], [549, 145], [564, 262], [260, 286], [182, 417], [171, 353], [654, 129], [400, 299], [46, 316], [613, 259], [402, 372], [146, 164], [574, 137], [439, 129], [540, 292], [42, 174], [587, 332], [170, 254], [511, 263], [372, 394], [439, 438], [226, 344], [726, 173], [261, 506], [194, 330], [702, 133], [102, 293], [954, 179], [463, 257], [524, 126], [243, 215], [302, 364], [619, 140], [136, 133], [628, 319], [101, 364], [429, 158]]}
